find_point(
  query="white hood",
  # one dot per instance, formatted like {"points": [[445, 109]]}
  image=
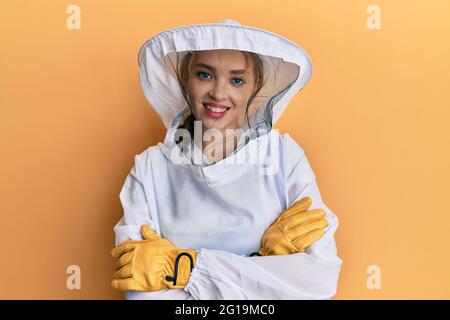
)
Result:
{"points": [[287, 68]]}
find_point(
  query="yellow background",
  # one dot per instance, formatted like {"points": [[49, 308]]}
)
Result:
{"points": [[373, 121]]}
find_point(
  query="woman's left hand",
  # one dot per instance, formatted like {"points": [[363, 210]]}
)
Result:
{"points": [[294, 230], [151, 264]]}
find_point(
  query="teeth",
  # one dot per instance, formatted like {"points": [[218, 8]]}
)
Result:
{"points": [[215, 109]]}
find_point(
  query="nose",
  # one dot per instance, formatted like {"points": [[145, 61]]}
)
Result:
{"points": [[218, 91]]}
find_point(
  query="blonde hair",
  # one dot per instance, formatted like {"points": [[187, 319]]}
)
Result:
{"points": [[185, 68]]}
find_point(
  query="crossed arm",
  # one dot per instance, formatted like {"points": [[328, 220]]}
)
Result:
{"points": [[223, 275]]}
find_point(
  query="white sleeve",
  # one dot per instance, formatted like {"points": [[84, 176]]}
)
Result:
{"points": [[136, 213], [310, 275]]}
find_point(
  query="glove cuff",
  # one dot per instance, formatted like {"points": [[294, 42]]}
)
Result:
{"points": [[184, 263]]}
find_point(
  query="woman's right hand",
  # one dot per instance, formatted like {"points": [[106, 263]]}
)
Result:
{"points": [[294, 230]]}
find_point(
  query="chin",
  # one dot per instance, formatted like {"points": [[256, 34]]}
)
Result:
{"points": [[214, 125]]}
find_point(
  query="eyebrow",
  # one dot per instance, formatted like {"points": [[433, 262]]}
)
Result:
{"points": [[200, 64]]}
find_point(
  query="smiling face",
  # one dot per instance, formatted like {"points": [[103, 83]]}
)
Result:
{"points": [[219, 86]]}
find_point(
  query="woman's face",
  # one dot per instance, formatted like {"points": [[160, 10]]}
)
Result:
{"points": [[219, 86]]}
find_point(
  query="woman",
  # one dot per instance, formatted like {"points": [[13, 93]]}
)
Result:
{"points": [[223, 187]]}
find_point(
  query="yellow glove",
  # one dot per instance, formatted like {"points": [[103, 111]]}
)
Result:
{"points": [[294, 230], [151, 264]]}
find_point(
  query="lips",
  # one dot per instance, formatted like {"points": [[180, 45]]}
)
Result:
{"points": [[215, 110]]}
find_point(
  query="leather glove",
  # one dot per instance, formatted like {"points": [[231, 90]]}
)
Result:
{"points": [[151, 264], [294, 230]]}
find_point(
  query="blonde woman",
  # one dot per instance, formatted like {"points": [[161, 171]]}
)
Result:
{"points": [[225, 207]]}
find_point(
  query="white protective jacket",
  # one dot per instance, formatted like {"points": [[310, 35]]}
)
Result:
{"points": [[222, 210]]}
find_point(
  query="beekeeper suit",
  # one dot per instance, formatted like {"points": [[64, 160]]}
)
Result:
{"points": [[221, 209]]}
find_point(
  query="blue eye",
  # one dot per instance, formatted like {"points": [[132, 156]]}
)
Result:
{"points": [[241, 83], [202, 72]]}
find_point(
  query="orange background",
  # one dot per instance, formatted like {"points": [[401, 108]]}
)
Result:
{"points": [[373, 121]]}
